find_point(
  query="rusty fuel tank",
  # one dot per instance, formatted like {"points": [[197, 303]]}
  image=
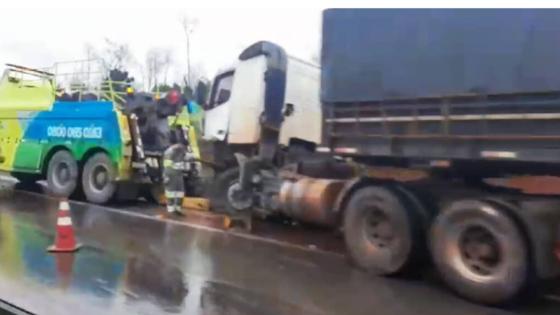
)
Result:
{"points": [[310, 200]]}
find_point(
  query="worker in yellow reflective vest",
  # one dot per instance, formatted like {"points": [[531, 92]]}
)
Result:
{"points": [[190, 122], [174, 163]]}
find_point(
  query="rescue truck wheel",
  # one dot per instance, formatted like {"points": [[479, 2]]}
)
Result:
{"points": [[98, 179], [62, 174], [480, 251], [381, 230]]}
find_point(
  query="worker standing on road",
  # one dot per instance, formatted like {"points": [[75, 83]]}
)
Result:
{"points": [[174, 164]]}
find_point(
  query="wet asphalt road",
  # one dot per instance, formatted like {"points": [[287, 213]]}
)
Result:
{"points": [[136, 264]]}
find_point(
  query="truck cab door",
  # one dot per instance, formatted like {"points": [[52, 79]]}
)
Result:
{"points": [[216, 120]]}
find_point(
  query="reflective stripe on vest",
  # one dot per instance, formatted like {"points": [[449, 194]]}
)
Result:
{"points": [[179, 165], [174, 194], [167, 163]]}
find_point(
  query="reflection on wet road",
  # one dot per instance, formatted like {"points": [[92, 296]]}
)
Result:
{"points": [[136, 265]]}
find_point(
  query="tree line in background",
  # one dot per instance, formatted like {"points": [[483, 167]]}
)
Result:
{"points": [[158, 70]]}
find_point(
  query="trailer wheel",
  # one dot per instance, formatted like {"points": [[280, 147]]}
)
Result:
{"points": [[98, 179], [480, 251], [62, 174], [380, 231]]}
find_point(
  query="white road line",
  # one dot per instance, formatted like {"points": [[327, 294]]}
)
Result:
{"points": [[201, 227], [7, 178]]}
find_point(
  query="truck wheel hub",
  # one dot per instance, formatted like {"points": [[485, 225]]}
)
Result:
{"points": [[378, 228], [63, 174], [100, 177], [480, 250], [239, 199]]}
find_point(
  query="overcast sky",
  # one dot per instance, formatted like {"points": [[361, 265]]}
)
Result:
{"points": [[39, 38]]}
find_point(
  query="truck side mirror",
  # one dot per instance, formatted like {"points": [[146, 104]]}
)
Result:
{"points": [[201, 93]]}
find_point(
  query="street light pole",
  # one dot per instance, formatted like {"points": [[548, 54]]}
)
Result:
{"points": [[188, 26], [189, 78]]}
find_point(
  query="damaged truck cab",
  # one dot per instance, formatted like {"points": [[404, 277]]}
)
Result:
{"points": [[267, 105], [266, 87]]}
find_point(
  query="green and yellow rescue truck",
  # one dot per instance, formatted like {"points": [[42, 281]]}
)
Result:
{"points": [[93, 146]]}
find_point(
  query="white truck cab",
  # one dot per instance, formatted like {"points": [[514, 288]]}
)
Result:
{"points": [[242, 95]]}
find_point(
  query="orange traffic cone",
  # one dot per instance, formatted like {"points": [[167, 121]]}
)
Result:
{"points": [[65, 240]]}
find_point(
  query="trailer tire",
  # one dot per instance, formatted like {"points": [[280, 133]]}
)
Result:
{"points": [[381, 231], [481, 252], [98, 179], [62, 174]]}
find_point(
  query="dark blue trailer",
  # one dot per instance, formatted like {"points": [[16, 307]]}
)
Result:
{"points": [[444, 84], [379, 55], [424, 106], [432, 103]]}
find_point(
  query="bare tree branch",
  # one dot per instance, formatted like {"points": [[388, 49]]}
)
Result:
{"points": [[158, 61]]}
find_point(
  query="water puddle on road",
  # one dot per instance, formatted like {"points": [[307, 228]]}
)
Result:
{"points": [[132, 275]]}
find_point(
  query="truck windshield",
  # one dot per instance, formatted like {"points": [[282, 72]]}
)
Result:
{"points": [[222, 90]]}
